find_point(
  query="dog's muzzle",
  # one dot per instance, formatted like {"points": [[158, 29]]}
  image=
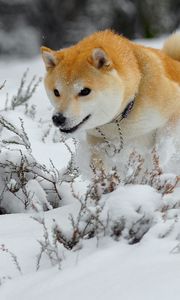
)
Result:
{"points": [[74, 128]]}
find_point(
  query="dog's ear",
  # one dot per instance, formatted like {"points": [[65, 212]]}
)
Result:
{"points": [[49, 57], [100, 59]]}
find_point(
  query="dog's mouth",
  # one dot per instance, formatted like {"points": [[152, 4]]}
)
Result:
{"points": [[72, 129]]}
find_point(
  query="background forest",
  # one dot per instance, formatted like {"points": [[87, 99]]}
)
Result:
{"points": [[60, 23]]}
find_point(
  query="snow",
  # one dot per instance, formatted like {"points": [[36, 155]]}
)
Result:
{"points": [[112, 271], [102, 267]]}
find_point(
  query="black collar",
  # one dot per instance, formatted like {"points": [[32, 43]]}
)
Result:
{"points": [[126, 111]]}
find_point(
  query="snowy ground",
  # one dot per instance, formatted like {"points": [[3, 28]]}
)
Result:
{"points": [[98, 268]]}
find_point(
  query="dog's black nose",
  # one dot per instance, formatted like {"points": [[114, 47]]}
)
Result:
{"points": [[58, 119]]}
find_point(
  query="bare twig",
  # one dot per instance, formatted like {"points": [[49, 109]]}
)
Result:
{"points": [[13, 256], [2, 85]]}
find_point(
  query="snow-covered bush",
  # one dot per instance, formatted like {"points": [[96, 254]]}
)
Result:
{"points": [[26, 184]]}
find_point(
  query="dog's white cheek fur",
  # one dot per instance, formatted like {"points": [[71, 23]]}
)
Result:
{"points": [[103, 107]]}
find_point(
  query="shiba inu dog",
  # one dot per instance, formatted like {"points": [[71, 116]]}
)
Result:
{"points": [[113, 88]]}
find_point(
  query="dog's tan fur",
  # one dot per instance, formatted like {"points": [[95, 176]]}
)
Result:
{"points": [[149, 75]]}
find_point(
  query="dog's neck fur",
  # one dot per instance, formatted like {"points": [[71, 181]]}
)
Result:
{"points": [[148, 121]]}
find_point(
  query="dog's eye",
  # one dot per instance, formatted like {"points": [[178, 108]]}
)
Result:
{"points": [[84, 92], [56, 93]]}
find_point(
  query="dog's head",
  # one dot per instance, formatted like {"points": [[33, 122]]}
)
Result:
{"points": [[84, 87]]}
